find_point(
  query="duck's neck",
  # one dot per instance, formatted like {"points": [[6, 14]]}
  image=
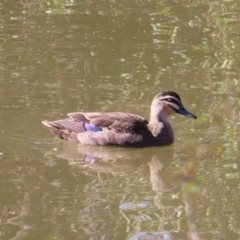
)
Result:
{"points": [[158, 116], [160, 127]]}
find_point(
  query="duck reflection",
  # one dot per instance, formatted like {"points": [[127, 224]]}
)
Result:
{"points": [[118, 161], [129, 189]]}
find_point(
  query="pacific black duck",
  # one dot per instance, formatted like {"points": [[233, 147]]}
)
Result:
{"points": [[123, 129]]}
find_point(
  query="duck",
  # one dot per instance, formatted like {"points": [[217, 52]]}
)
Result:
{"points": [[123, 129]]}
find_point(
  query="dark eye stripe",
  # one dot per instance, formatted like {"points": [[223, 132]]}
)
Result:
{"points": [[173, 100]]}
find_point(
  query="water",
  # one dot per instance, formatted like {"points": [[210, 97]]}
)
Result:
{"points": [[64, 56]]}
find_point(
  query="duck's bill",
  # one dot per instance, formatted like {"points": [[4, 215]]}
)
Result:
{"points": [[186, 113]]}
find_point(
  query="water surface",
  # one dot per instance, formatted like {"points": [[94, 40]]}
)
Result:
{"points": [[63, 56]]}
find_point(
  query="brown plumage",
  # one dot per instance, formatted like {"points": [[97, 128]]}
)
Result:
{"points": [[122, 129]]}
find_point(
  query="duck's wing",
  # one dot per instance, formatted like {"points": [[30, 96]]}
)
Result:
{"points": [[118, 121]]}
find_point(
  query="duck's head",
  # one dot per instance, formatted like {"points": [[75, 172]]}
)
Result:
{"points": [[168, 102]]}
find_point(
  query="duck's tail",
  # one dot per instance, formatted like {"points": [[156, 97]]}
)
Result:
{"points": [[65, 128]]}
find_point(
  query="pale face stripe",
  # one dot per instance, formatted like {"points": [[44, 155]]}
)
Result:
{"points": [[175, 104]]}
